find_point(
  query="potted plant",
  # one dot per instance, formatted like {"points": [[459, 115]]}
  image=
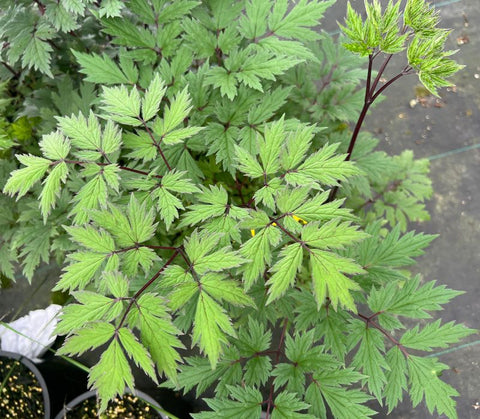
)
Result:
{"points": [[212, 196], [30, 338], [23, 391]]}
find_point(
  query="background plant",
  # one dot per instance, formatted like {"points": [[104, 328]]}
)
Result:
{"points": [[193, 181]]}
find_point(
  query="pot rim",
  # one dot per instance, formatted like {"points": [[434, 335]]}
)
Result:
{"points": [[88, 394], [38, 375]]}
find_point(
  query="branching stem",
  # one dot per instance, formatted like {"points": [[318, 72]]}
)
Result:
{"points": [[128, 169], [145, 286], [157, 145], [269, 401], [370, 322], [371, 94]]}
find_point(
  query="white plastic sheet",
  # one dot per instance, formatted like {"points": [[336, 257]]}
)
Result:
{"points": [[38, 325]]}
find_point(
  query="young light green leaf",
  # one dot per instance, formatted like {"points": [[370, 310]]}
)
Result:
{"points": [[80, 272], [21, 180], [137, 352], [271, 146], [214, 204], [111, 138], [51, 188], [91, 238], [328, 278], [92, 195], [177, 111], [116, 283], [259, 253], [247, 163], [87, 338], [225, 290], [284, 271], [121, 105], [55, 146], [210, 325], [325, 167], [331, 235], [93, 307], [83, 133], [153, 96], [119, 375]]}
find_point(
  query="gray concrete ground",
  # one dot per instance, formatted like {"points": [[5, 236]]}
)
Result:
{"points": [[448, 133]]}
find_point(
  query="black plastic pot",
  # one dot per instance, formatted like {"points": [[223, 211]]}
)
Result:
{"points": [[91, 394], [14, 381], [64, 381]]}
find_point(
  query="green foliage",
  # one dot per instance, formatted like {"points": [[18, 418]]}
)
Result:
{"points": [[181, 160]]}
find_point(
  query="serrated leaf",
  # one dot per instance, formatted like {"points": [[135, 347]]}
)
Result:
{"points": [[21, 180], [89, 337], [55, 146], [157, 333], [141, 145], [347, 404], [317, 209], [331, 235], [92, 307], [328, 277], [51, 188], [225, 290], [396, 378], [271, 146], [218, 261], [175, 181], [111, 374], [37, 54], [80, 272], [435, 335], [122, 105], [287, 406], [83, 133], [134, 258], [100, 69], [177, 111], [247, 404], [424, 383], [153, 96], [370, 358], [137, 352], [214, 201], [210, 326], [258, 251], [284, 271], [91, 238], [411, 300], [257, 371], [111, 138], [247, 163], [116, 283], [92, 195], [325, 166], [168, 206]]}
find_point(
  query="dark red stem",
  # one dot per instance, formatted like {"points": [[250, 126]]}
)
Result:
{"points": [[370, 322], [145, 286]]}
